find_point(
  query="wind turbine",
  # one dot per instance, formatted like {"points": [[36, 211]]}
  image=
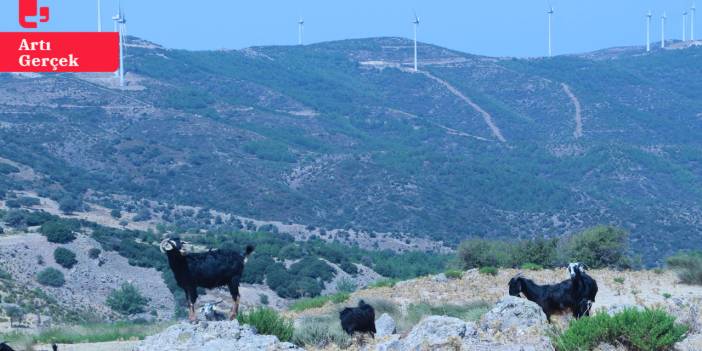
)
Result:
{"points": [[550, 15], [663, 18], [684, 32], [692, 21], [121, 27], [99, 17], [300, 31], [416, 24], [648, 30]]}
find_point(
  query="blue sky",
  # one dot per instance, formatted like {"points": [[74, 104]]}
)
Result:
{"points": [[486, 27]]}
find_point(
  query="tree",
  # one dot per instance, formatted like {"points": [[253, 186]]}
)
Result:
{"points": [[15, 313], [65, 257], [58, 232], [127, 300], [51, 277], [600, 247], [68, 205]]}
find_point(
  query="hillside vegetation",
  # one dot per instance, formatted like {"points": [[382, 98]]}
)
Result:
{"points": [[340, 135]]}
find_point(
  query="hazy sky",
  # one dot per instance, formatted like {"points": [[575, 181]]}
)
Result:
{"points": [[487, 27]]}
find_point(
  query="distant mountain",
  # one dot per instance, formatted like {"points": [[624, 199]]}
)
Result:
{"points": [[345, 135]]}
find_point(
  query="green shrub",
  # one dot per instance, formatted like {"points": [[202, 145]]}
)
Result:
{"points": [[416, 312], [454, 274], [268, 322], [600, 247], [532, 267], [319, 301], [384, 283], [647, 330], [58, 232], [320, 332], [263, 299], [94, 253], [346, 285], [127, 300], [4, 275], [473, 253], [488, 271], [688, 267], [65, 257], [51, 277]]}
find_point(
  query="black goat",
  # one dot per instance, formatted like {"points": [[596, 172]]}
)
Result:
{"points": [[551, 298], [207, 270], [584, 286], [359, 319], [54, 347], [5, 347]]}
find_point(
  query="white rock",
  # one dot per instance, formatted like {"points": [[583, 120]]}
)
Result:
{"points": [[385, 325], [212, 336]]}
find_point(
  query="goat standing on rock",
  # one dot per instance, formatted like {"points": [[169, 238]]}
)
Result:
{"points": [[207, 270], [585, 288]]}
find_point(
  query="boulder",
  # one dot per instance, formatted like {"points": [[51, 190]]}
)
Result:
{"points": [[618, 308], [212, 336], [691, 343], [385, 325], [433, 333], [686, 311], [514, 315]]}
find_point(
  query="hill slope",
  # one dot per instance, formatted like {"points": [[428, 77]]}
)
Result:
{"points": [[344, 135]]}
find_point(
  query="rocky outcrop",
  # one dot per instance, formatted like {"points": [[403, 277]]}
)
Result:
{"points": [[434, 333], [213, 336], [385, 325], [514, 324]]}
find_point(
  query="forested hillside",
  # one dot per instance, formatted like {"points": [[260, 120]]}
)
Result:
{"points": [[343, 135]]}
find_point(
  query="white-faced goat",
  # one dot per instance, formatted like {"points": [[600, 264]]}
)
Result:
{"points": [[208, 270], [554, 298], [584, 285], [359, 319]]}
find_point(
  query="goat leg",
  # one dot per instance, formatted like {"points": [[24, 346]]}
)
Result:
{"points": [[235, 309], [191, 312]]}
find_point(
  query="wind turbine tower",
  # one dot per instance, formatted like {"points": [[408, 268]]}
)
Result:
{"points": [[692, 21], [550, 15], [663, 18], [99, 22], [648, 30], [684, 32], [416, 24], [120, 27], [300, 31]]}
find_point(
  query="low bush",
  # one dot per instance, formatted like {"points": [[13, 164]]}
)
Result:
{"points": [[127, 300], [346, 285], [65, 257], [531, 267], [488, 271], [454, 274], [51, 277], [321, 332], [268, 322], [416, 312], [319, 301], [94, 253], [647, 330], [688, 267], [384, 283]]}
